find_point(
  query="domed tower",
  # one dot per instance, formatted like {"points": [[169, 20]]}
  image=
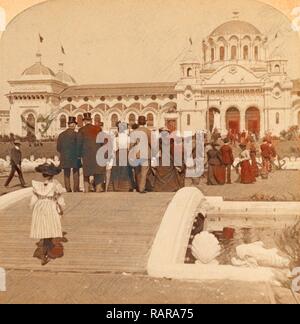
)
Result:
{"points": [[34, 98], [64, 77], [190, 65], [237, 42]]}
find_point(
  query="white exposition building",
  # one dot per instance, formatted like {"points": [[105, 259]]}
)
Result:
{"points": [[235, 85]]}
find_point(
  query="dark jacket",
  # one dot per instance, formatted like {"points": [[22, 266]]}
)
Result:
{"points": [[88, 148], [266, 151], [15, 156], [227, 155], [67, 147], [214, 157]]}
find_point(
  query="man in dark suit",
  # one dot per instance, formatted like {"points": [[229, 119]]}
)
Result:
{"points": [[87, 151], [228, 159], [69, 160], [15, 161]]}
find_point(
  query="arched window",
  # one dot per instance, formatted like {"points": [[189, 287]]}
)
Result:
{"points": [[132, 119], [114, 120], [150, 120], [234, 52], [97, 120], [245, 52], [222, 53], [80, 120], [212, 54], [277, 118], [256, 53], [188, 119], [189, 72], [277, 68], [63, 121]]}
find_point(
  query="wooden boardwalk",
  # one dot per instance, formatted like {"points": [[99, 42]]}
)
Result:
{"points": [[108, 233]]}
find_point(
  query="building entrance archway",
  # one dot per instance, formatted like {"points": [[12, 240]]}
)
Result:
{"points": [[233, 119], [253, 120]]}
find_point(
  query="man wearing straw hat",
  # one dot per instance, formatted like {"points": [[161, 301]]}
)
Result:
{"points": [[69, 161]]}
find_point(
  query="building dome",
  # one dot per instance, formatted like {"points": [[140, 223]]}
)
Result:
{"points": [[64, 77], [38, 71], [235, 27]]}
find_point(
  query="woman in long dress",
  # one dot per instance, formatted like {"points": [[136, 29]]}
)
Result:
{"points": [[216, 168], [247, 174], [47, 203], [253, 154], [166, 178]]}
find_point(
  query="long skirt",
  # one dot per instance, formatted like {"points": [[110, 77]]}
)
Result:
{"points": [[216, 175], [167, 179], [46, 221], [122, 179], [247, 174]]}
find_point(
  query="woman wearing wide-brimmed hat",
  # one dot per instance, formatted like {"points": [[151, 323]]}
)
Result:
{"points": [[47, 203]]}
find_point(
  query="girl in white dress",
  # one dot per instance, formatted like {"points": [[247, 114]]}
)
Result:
{"points": [[47, 203]]}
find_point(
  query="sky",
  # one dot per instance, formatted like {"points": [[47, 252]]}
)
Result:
{"points": [[113, 41]]}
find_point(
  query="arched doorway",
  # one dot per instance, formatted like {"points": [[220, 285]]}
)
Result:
{"points": [[132, 119], [97, 120], [214, 119], [114, 120], [63, 122], [80, 121], [233, 119], [253, 120], [150, 120]]}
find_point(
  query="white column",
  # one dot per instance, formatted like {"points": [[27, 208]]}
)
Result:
{"points": [[223, 122]]}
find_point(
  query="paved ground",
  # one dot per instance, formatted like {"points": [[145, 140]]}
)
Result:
{"points": [[39, 287], [284, 185]]}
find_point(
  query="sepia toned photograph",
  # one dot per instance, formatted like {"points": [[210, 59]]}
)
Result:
{"points": [[149, 154]]}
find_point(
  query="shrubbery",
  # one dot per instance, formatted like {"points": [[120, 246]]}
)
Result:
{"points": [[293, 133]]}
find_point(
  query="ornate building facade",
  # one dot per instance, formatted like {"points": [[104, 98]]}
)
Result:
{"points": [[235, 83]]}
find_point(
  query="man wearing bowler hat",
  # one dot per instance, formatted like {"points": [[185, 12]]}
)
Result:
{"points": [[69, 160], [15, 162], [87, 151]]}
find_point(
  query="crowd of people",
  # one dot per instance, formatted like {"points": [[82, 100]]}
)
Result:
{"points": [[78, 149], [221, 161]]}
